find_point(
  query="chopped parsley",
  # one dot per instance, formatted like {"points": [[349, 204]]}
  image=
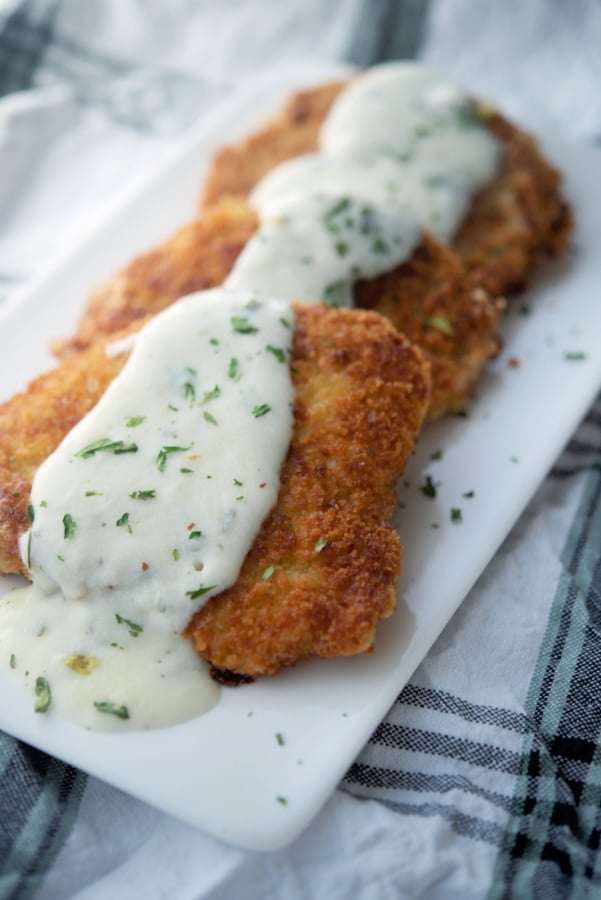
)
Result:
{"points": [[114, 709], [175, 554], [277, 352], [13, 661], [80, 664], [123, 522], [43, 695], [211, 395], [194, 534], [135, 421], [134, 629], [106, 444], [143, 495], [232, 371], [268, 572], [199, 591], [456, 515], [574, 356], [279, 738], [242, 325], [442, 323], [428, 488], [164, 453], [30, 512], [321, 544], [69, 526], [261, 410], [189, 392], [209, 418]]}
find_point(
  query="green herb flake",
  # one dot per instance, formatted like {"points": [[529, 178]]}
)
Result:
{"points": [[242, 325], [113, 709], [285, 323], [134, 629], [211, 395], [469, 494], [214, 342], [189, 392], [175, 554], [13, 661], [143, 495], [93, 494], [30, 512], [428, 488], [164, 452], [237, 483], [69, 526], [43, 503], [209, 418], [261, 410], [123, 521], [442, 323], [436, 455], [574, 356], [106, 444], [234, 366], [380, 246], [43, 695], [321, 544], [268, 572], [282, 801], [194, 534], [277, 352], [135, 421], [456, 515], [279, 738], [199, 591]]}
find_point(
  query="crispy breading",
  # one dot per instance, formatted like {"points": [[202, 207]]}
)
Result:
{"points": [[520, 220], [423, 295], [197, 257], [361, 394], [292, 131], [456, 325], [517, 222]]}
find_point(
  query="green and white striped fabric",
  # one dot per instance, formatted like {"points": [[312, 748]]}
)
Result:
{"points": [[485, 778]]}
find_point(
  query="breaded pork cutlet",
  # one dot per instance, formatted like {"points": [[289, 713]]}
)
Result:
{"points": [[429, 297], [518, 221], [197, 257], [361, 394]]}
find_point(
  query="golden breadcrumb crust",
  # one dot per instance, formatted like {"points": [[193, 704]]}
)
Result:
{"points": [[322, 571]]}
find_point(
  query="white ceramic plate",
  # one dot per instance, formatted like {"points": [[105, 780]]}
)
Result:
{"points": [[225, 771]]}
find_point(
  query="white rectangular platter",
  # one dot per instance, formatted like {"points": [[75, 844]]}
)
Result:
{"points": [[225, 771]]}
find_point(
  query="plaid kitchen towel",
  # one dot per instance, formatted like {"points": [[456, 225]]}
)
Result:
{"points": [[484, 780]]}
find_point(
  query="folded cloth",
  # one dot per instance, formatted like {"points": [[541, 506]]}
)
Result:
{"points": [[483, 780]]}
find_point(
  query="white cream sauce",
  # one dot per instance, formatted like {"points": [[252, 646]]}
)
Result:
{"points": [[316, 248], [151, 503], [398, 137], [148, 508]]}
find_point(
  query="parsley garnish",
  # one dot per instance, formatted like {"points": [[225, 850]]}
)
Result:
{"points": [[106, 444], [442, 323], [261, 410], [13, 661], [242, 325], [123, 522], [279, 738], [134, 629], [143, 495], [199, 591], [69, 526], [428, 488], [30, 512], [456, 515], [189, 392], [105, 706], [268, 572], [194, 534], [135, 421], [163, 454], [43, 695], [321, 544], [209, 418], [277, 352], [232, 372]]}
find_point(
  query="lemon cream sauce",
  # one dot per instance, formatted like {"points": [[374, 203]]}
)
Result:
{"points": [[148, 508]]}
